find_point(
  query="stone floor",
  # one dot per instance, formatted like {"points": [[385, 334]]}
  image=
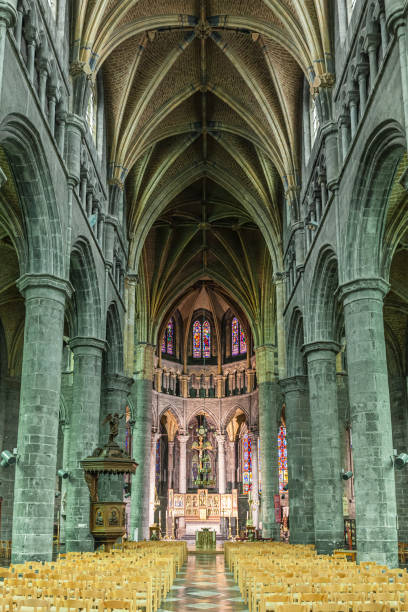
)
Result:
{"points": [[204, 583]]}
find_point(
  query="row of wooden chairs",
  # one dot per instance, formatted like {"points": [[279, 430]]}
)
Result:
{"points": [[140, 576], [274, 576]]}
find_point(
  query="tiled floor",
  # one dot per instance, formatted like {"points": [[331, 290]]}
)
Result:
{"points": [[204, 583]]}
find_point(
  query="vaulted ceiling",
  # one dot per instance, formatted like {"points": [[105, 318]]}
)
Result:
{"points": [[203, 100]]}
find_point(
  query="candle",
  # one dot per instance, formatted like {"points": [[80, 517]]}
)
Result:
{"points": [[247, 514]]}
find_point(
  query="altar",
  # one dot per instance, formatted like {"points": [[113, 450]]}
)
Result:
{"points": [[203, 510]]}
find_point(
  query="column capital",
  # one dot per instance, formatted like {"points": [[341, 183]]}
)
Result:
{"points": [[375, 288], [294, 383], [132, 278], [220, 437], [44, 285], [84, 345], [183, 438], [170, 443], [118, 382], [321, 345]]}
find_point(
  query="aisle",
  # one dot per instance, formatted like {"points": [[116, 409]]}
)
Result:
{"points": [[204, 583]]}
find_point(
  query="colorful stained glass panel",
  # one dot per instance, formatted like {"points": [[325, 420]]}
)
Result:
{"points": [[246, 464], [283, 458], [197, 339], [206, 339], [235, 336], [170, 337], [242, 342]]}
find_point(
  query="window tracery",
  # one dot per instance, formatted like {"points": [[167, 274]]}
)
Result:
{"points": [[238, 338], [169, 340], [201, 339]]}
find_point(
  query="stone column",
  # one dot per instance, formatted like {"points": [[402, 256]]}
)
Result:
{"points": [[10, 399], [231, 463], [370, 421], [183, 439], [270, 406], [221, 463], [83, 438], [142, 398], [184, 379], [326, 453], [114, 400], [300, 469], [170, 464], [152, 485], [34, 491]]}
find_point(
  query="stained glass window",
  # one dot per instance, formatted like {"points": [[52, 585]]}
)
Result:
{"points": [[197, 339], [170, 337], [283, 458], [235, 336], [238, 338], [246, 464], [168, 342], [242, 342], [206, 339]]}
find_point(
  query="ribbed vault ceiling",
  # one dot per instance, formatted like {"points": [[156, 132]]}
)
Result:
{"points": [[202, 104]]}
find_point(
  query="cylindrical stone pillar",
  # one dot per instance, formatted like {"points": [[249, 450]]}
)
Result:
{"points": [[83, 438], [170, 464], [34, 491], [183, 439], [231, 463], [326, 454], [221, 463], [152, 484], [139, 513], [300, 469], [270, 407], [374, 480]]}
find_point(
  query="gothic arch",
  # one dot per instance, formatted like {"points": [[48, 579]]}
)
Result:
{"points": [[174, 412], [44, 233], [230, 415], [86, 298], [113, 361], [322, 302], [296, 362], [363, 237]]}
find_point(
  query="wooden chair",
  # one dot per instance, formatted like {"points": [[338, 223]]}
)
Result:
{"points": [[115, 605], [330, 607], [66, 605], [35, 604]]}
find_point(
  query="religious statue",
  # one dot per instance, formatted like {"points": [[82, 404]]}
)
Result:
{"points": [[113, 420], [202, 445]]}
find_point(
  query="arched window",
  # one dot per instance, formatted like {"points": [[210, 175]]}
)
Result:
{"points": [[197, 339], [201, 339], [91, 112], [206, 339], [169, 341], [246, 464], [283, 458], [314, 120], [238, 338]]}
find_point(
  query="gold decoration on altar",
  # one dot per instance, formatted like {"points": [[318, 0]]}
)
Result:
{"points": [[202, 506]]}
